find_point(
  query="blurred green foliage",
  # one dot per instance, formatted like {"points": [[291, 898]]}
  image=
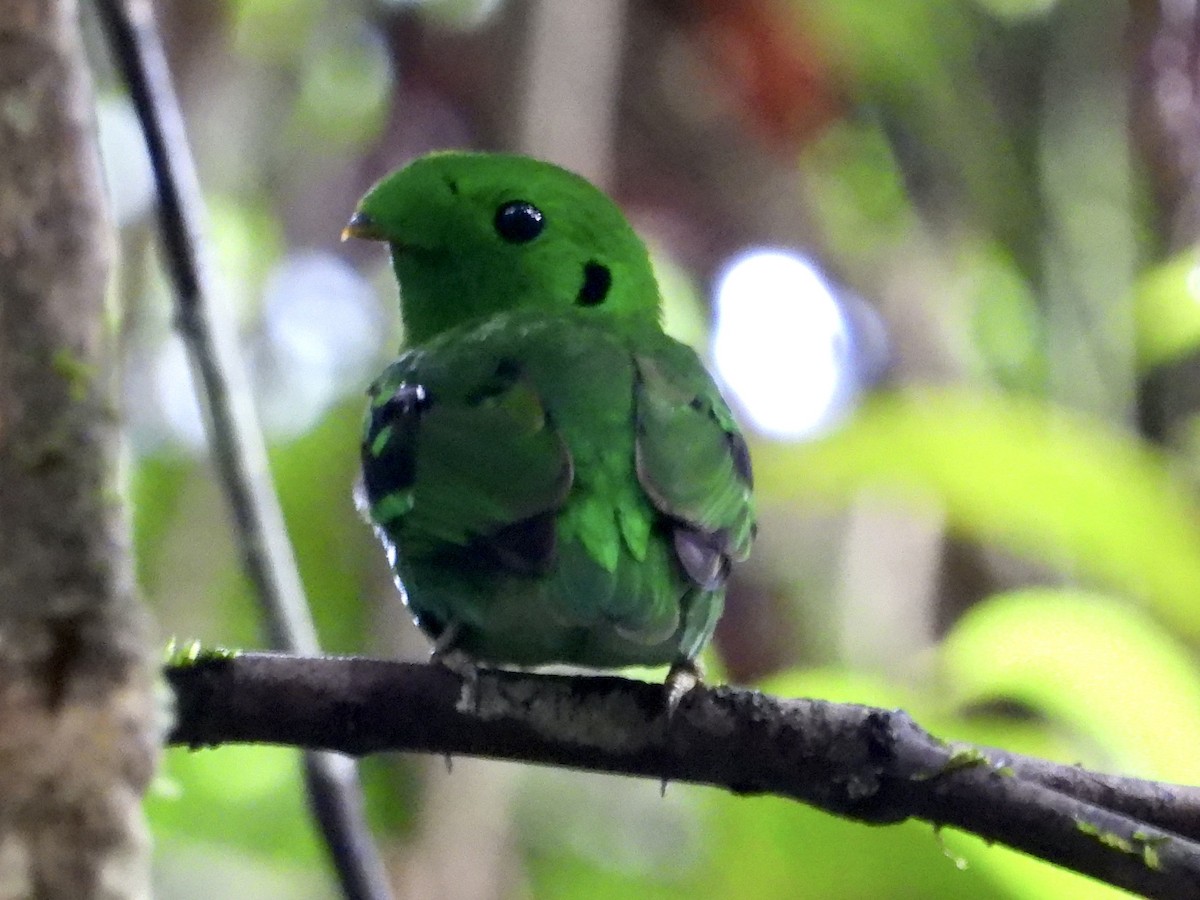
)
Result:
{"points": [[930, 190], [1016, 473], [1167, 307]]}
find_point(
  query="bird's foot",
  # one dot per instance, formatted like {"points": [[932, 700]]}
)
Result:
{"points": [[685, 675], [446, 655], [467, 671]]}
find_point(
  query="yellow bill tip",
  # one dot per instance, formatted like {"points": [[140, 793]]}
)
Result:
{"points": [[362, 226]]}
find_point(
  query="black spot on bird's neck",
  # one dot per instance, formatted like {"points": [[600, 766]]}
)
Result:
{"points": [[453, 185], [597, 279]]}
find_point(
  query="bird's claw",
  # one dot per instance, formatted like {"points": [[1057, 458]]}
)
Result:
{"points": [[444, 654], [685, 675]]}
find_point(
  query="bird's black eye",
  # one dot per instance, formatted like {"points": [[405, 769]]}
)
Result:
{"points": [[519, 222], [597, 279]]}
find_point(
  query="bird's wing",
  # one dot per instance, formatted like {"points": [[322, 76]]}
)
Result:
{"points": [[468, 462], [692, 461]]}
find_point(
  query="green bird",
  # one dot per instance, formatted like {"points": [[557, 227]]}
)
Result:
{"points": [[555, 479]]}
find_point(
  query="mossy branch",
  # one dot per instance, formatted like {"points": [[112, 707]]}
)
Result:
{"points": [[873, 765]]}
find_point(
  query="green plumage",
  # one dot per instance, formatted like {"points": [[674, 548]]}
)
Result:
{"points": [[556, 479]]}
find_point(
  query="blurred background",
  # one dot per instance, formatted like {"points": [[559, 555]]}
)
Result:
{"points": [[941, 256]]}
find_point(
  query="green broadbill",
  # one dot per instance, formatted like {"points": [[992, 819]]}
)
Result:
{"points": [[555, 479]]}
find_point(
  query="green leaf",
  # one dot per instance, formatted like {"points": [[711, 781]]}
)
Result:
{"points": [[1005, 321], [250, 796], [315, 477], [915, 62], [1014, 874], [1039, 481], [156, 488], [1099, 666], [273, 29], [1167, 310], [857, 190], [345, 89], [845, 686], [247, 239], [773, 848]]}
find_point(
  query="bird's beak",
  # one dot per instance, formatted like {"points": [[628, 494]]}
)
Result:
{"points": [[362, 226]]}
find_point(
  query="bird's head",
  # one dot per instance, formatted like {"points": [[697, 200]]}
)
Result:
{"points": [[474, 234]]}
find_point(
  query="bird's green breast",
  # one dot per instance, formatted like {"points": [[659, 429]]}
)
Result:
{"points": [[611, 595]]}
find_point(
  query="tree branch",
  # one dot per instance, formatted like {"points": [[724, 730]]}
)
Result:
{"points": [[1171, 807], [335, 796], [873, 765]]}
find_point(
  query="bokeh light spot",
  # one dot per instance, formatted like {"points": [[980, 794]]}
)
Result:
{"points": [[323, 330], [782, 344]]}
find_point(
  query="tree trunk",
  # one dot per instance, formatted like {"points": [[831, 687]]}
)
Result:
{"points": [[78, 734]]}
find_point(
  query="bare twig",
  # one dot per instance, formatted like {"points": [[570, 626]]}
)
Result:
{"points": [[873, 765], [239, 450]]}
